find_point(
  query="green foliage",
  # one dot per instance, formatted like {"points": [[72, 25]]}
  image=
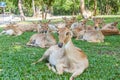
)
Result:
{"points": [[108, 6], [64, 7], [16, 59], [79, 17]]}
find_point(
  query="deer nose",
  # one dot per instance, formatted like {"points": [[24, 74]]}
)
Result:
{"points": [[95, 27], [42, 31], [45, 31], [60, 44]]}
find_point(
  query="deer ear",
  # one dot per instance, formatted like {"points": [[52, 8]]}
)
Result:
{"points": [[74, 19], [114, 24], [64, 18], [69, 33], [49, 21]]}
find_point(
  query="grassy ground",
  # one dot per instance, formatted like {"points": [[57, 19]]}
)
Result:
{"points": [[16, 59]]}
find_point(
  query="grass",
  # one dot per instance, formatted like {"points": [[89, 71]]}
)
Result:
{"points": [[16, 59]]}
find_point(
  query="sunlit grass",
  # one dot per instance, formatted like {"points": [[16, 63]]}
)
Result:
{"points": [[16, 59]]}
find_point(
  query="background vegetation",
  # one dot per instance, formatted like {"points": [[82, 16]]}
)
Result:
{"points": [[62, 7]]}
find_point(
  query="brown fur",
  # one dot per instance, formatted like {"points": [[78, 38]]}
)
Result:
{"points": [[66, 58], [77, 61], [42, 39], [80, 26], [92, 35], [110, 29], [69, 22], [20, 28]]}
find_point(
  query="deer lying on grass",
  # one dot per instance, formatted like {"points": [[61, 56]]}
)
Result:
{"points": [[65, 56], [69, 22], [77, 27], [19, 28], [110, 29], [93, 35], [42, 39]]}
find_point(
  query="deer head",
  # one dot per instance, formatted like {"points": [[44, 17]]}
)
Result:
{"points": [[44, 27], [10, 26], [97, 23], [69, 22], [64, 36]]}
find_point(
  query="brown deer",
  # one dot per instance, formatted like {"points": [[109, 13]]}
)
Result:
{"points": [[65, 56], [44, 38], [92, 35], [19, 28], [79, 26], [110, 29], [69, 22]]}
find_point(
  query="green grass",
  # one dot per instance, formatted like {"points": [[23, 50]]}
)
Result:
{"points": [[16, 59]]}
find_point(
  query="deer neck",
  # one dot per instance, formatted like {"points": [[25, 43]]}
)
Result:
{"points": [[69, 45]]}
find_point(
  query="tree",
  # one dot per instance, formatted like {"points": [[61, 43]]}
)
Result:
{"points": [[95, 7], [85, 12], [33, 7], [108, 6], [20, 10], [46, 7]]}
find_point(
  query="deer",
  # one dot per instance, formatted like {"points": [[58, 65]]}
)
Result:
{"points": [[69, 22], [92, 35], [18, 29], [79, 26], [42, 39], [110, 29], [11, 30], [65, 57]]}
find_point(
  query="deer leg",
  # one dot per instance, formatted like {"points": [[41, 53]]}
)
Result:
{"points": [[76, 73], [45, 56], [49, 66], [60, 68], [30, 43], [18, 33]]}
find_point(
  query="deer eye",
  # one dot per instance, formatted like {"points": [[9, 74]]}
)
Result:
{"points": [[67, 33]]}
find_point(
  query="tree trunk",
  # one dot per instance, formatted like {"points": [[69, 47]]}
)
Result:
{"points": [[46, 11], [73, 12], [43, 15], [84, 12], [20, 10], [82, 6], [95, 7], [33, 6]]}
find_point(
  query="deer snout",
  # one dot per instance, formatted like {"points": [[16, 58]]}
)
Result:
{"points": [[45, 31], [60, 44], [95, 27]]}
